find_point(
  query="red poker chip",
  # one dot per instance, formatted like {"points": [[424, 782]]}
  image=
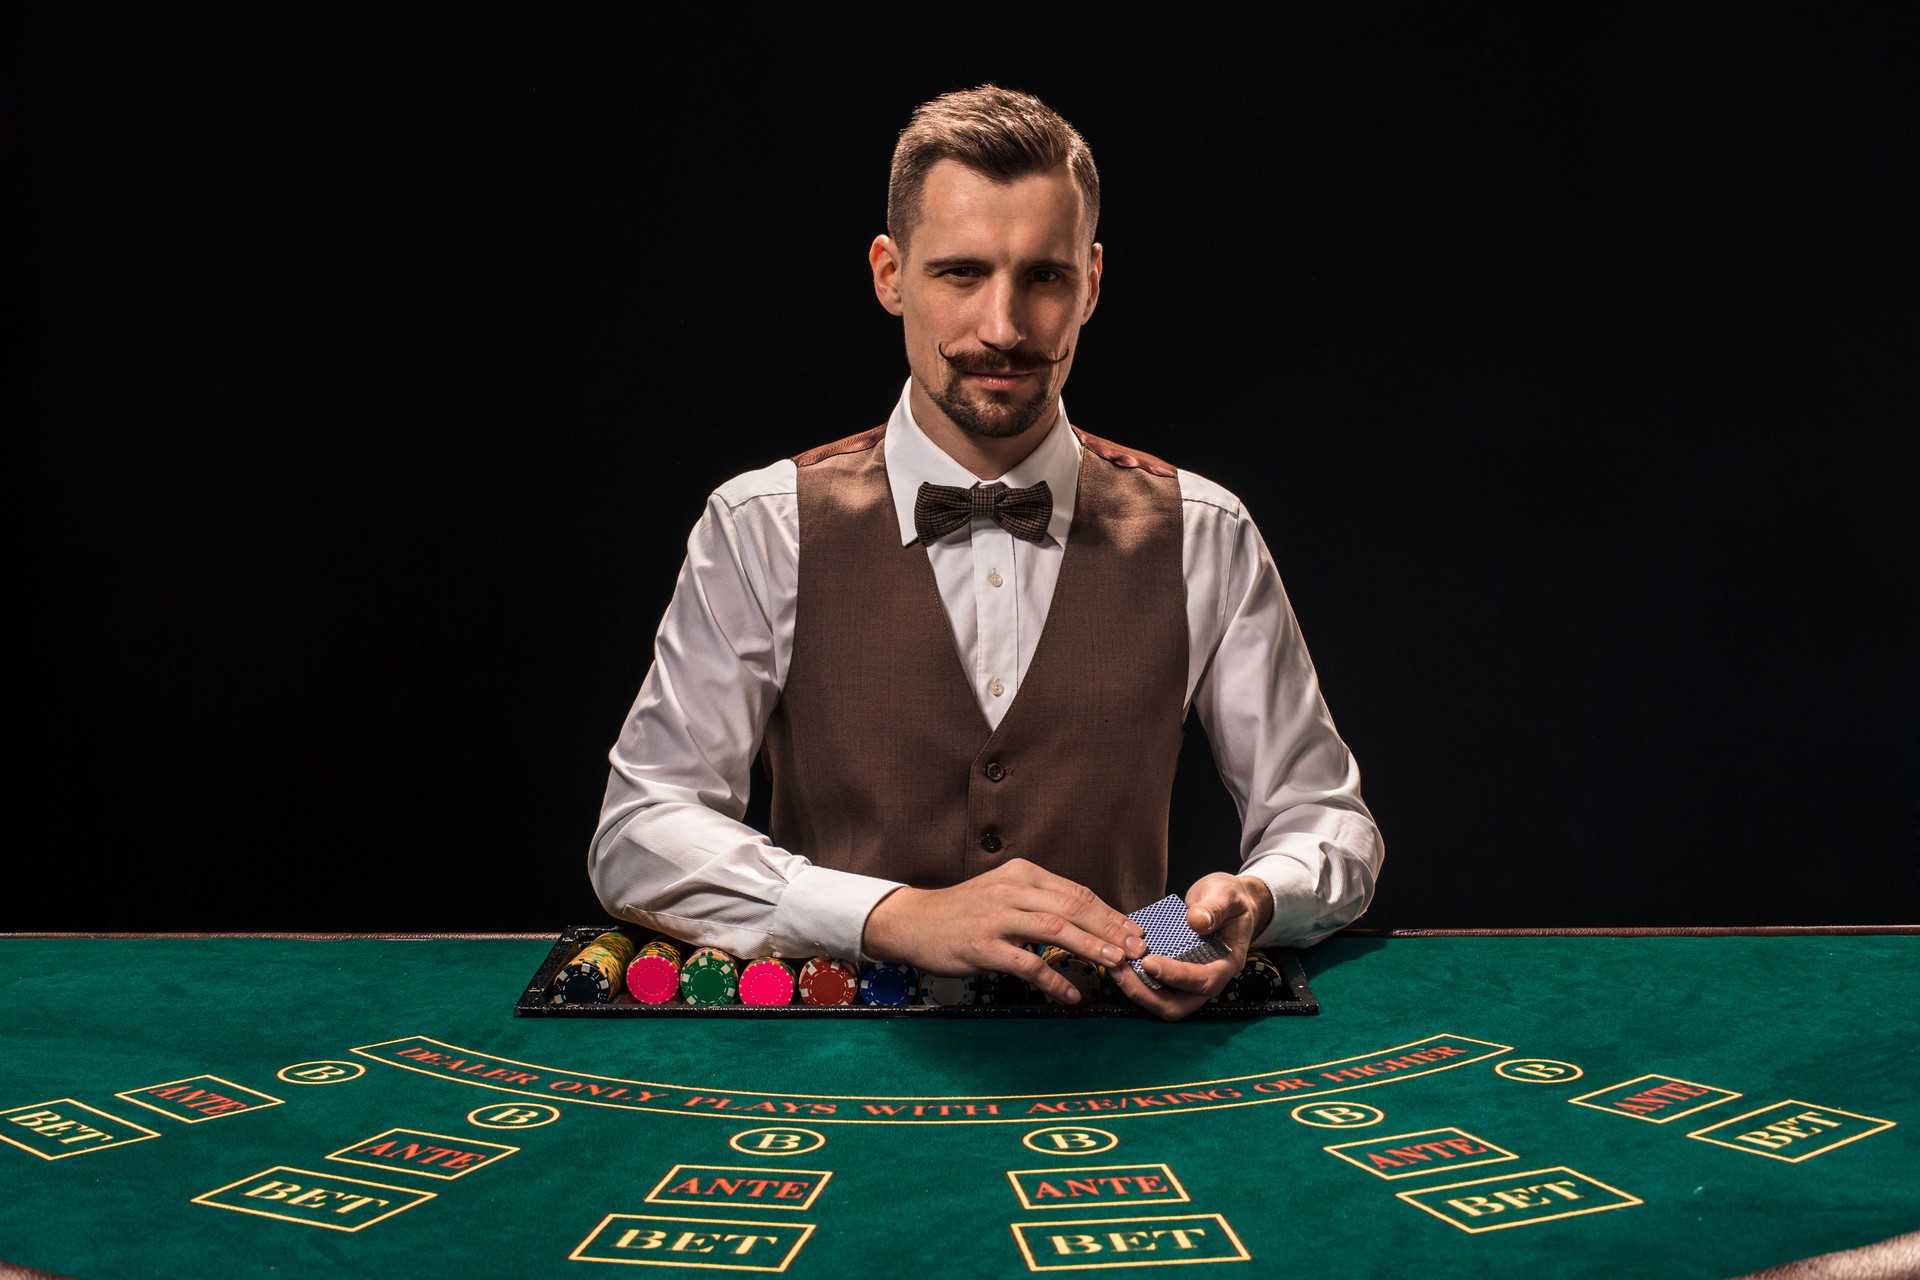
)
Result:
{"points": [[826, 981]]}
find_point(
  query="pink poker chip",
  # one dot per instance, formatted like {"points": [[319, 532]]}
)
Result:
{"points": [[653, 979], [766, 981]]}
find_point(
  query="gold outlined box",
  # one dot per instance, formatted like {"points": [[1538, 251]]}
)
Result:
{"points": [[1109, 1240], [1414, 1168], [498, 1152], [1500, 1198], [697, 1237], [1712, 1096], [19, 1117], [1836, 1135], [662, 1194], [1176, 1194], [299, 1195], [249, 1099]]}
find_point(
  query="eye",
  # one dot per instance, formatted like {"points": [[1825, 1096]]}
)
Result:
{"points": [[1046, 275], [962, 273]]}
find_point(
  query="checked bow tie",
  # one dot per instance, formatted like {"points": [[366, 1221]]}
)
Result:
{"points": [[941, 508]]}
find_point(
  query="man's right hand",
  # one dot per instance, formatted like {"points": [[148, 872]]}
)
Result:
{"points": [[984, 925]]}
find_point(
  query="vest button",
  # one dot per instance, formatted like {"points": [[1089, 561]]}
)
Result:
{"points": [[995, 771], [990, 842]]}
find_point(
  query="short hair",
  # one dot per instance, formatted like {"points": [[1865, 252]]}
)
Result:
{"points": [[1001, 134]]}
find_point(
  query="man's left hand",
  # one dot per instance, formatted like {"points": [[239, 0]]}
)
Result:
{"points": [[1234, 909]]}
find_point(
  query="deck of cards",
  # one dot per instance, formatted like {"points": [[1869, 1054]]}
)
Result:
{"points": [[1164, 925]]}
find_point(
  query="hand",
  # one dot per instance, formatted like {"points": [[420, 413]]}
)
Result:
{"points": [[984, 924], [1235, 909]]}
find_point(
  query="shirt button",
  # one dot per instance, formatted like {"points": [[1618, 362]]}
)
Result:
{"points": [[990, 842], [994, 579], [995, 688], [995, 771]]}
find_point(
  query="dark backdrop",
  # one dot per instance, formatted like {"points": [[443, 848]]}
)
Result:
{"points": [[373, 362]]}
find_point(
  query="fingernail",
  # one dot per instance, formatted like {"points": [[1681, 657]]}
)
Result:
{"points": [[1112, 955]]}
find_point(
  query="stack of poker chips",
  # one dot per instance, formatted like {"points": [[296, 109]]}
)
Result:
{"points": [[710, 977], [766, 981], [594, 974], [653, 976], [827, 981], [1081, 972], [886, 983], [1004, 989], [1257, 982], [941, 989]]}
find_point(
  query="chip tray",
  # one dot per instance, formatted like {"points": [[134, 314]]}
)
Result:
{"points": [[537, 1000]]}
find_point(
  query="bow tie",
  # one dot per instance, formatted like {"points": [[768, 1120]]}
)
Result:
{"points": [[941, 508]]}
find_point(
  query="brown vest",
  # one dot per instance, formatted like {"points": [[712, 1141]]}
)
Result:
{"points": [[881, 761]]}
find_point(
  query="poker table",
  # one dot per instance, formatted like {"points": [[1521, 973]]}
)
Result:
{"points": [[1707, 1103]]}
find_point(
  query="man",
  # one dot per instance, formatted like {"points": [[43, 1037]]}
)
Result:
{"points": [[967, 642]]}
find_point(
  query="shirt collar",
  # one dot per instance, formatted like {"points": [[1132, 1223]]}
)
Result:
{"points": [[913, 459]]}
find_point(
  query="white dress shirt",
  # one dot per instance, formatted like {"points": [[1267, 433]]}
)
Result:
{"points": [[671, 851]]}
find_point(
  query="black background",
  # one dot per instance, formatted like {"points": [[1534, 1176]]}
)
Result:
{"points": [[374, 362]]}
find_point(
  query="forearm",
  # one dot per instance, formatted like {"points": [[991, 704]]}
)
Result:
{"points": [[696, 874]]}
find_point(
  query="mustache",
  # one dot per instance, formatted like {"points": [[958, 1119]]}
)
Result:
{"points": [[1016, 361]]}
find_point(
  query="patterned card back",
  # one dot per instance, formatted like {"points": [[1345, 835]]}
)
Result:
{"points": [[1164, 924]]}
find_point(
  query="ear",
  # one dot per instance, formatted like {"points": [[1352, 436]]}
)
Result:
{"points": [[887, 261], [1093, 286]]}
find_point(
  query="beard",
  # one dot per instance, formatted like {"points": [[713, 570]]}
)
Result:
{"points": [[997, 415]]}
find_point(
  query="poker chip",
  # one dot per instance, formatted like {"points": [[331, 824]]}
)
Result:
{"points": [[710, 977], [947, 990], [653, 976], [1259, 981], [1081, 972], [827, 981], [766, 981], [884, 982], [1003, 989], [596, 972]]}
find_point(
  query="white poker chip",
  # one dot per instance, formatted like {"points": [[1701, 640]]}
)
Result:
{"points": [[942, 989]]}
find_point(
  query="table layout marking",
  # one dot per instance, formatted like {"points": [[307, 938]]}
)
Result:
{"points": [[693, 1242], [431, 1155], [1170, 1240], [1653, 1098], [190, 1102], [1097, 1186], [1412, 1155], [43, 1131], [1518, 1199], [1418, 1058], [307, 1202], [706, 1185], [1790, 1126]]}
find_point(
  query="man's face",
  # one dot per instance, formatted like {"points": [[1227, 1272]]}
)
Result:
{"points": [[993, 286]]}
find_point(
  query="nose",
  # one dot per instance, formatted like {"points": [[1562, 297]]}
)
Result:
{"points": [[1002, 320]]}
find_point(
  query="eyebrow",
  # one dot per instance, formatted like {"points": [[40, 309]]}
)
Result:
{"points": [[962, 260]]}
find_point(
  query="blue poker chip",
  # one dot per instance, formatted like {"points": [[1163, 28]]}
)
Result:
{"points": [[888, 983], [940, 989]]}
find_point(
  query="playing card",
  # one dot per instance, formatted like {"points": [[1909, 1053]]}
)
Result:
{"points": [[1164, 924]]}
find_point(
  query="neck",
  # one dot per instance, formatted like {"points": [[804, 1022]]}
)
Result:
{"points": [[987, 458]]}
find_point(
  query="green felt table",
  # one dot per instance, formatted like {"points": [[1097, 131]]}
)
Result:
{"points": [[1660, 1105]]}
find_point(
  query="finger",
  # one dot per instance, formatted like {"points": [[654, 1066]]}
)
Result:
{"points": [[1165, 1002], [1038, 973], [1207, 980], [1212, 902], [1066, 920]]}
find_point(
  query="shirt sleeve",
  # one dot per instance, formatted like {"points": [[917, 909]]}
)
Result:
{"points": [[1305, 830], [670, 851]]}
